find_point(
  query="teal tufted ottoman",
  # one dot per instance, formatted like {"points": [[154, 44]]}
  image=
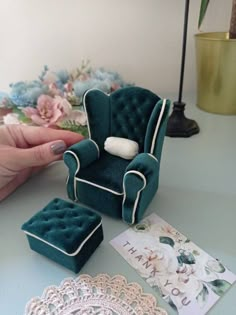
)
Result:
{"points": [[65, 232]]}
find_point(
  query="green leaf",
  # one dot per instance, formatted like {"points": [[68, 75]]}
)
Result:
{"points": [[203, 296], [219, 287], [215, 266], [167, 240], [186, 259], [21, 115], [72, 126], [208, 272], [24, 119], [203, 9], [221, 268], [16, 110]]}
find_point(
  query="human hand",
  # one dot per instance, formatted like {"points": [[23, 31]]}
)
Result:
{"points": [[26, 149]]}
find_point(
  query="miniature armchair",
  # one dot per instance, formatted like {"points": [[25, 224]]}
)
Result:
{"points": [[111, 184]]}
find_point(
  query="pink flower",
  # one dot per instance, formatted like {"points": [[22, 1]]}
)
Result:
{"points": [[62, 104], [54, 90], [68, 87], [48, 110], [115, 86]]}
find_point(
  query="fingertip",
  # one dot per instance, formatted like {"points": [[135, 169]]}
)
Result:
{"points": [[74, 138], [58, 147]]}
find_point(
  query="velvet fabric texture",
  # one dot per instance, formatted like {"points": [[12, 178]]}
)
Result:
{"points": [[115, 186], [88, 152], [134, 183], [64, 232]]}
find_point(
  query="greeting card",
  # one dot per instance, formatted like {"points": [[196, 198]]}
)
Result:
{"points": [[187, 278]]}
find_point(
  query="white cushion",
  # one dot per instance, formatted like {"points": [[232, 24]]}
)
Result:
{"points": [[124, 148]]}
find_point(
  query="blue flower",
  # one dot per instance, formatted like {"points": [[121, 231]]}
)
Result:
{"points": [[81, 86], [26, 93], [100, 79], [109, 77], [63, 76]]}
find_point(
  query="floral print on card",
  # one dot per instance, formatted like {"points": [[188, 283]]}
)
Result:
{"points": [[187, 278]]}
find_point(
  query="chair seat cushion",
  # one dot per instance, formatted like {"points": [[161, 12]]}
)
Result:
{"points": [[108, 171]]}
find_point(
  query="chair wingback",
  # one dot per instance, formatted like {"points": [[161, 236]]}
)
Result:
{"points": [[97, 107], [156, 128]]}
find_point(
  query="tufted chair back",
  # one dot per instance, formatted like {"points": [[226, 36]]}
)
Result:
{"points": [[130, 113], [125, 113]]}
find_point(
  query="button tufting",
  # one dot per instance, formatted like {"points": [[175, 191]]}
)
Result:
{"points": [[65, 228]]}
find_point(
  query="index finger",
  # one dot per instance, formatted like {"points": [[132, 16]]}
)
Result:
{"points": [[39, 135]]}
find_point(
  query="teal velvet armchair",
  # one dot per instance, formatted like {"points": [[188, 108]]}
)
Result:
{"points": [[110, 184]]}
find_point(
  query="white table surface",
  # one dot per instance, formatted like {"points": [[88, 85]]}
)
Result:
{"points": [[196, 196]]}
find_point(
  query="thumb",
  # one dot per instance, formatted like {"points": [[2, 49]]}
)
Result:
{"points": [[40, 155]]}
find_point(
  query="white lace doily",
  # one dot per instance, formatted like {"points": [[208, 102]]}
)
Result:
{"points": [[101, 295]]}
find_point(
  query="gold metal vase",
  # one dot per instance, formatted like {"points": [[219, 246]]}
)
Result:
{"points": [[216, 73]]}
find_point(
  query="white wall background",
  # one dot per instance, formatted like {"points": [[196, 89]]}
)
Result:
{"points": [[141, 39]]}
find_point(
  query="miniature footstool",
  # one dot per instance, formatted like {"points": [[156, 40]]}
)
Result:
{"points": [[65, 232]]}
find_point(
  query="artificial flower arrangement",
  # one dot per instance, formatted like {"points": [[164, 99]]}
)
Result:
{"points": [[55, 99]]}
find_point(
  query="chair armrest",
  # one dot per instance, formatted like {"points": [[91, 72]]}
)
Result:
{"points": [[145, 163], [80, 155], [141, 175]]}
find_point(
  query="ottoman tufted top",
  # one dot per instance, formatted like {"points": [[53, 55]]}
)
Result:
{"points": [[63, 225]]}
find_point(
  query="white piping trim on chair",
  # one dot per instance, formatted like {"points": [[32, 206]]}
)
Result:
{"points": [[138, 193], [78, 167], [84, 103], [76, 157], [61, 250], [99, 186], [88, 126], [95, 146], [153, 156], [157, 126]]}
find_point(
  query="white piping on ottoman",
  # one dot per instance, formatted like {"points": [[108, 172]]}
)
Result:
{"points": [[61, 250], [99, 186], [157, 126], [138, 193]]}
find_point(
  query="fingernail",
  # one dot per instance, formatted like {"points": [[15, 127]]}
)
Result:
{"points": [[58, 147]]}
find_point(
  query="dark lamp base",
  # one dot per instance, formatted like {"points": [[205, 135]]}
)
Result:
{"points": [[180, 126]]}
